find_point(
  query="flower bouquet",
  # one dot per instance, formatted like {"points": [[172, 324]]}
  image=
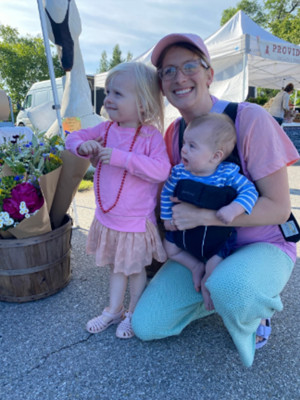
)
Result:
{"points": [[29, 173]]}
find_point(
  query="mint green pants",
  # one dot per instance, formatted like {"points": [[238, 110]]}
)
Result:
{"points": [[245, 288]]}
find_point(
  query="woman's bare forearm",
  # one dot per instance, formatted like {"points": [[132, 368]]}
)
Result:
{"points": [[272, 207]]}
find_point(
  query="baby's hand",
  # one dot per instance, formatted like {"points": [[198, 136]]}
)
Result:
{"points": [[89, 148], [169, 225], [228, 213]]}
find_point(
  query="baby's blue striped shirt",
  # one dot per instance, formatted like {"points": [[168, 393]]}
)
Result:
{"points": [[227, 174]]}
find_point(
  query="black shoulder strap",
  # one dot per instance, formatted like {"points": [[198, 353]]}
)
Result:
{"points": [[231, 111], [182, 126]]}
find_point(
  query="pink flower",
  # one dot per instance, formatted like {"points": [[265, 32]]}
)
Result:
{"points": [[23, 192]]}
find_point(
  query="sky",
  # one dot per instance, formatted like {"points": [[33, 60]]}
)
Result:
{"points": [[135, 25]]}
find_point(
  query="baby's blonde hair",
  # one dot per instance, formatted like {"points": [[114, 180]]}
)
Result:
{"points": [[149, 99], [218, 130]]}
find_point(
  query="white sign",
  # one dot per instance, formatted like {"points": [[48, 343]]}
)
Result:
{"points": [[280, 51]]}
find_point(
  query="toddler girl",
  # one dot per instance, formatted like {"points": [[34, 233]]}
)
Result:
{"points": [[131, 162]]}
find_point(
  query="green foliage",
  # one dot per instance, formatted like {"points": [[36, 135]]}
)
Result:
{"points": [[268, 93], [129, 56], [116, 59], [292, 99], [280, 17], [287, 28], [103, 63], [89, 175], [264, 95], [279, 9], [21, 166], [36, 158], [7, 183], [261, 100], [22, 62], [251, 7], [85, 185]]}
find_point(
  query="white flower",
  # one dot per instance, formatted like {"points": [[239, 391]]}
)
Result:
{"points": [[23, 209], [5, 219]]}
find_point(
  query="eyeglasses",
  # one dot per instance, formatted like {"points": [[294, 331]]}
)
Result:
{"points": [[189, 68]]}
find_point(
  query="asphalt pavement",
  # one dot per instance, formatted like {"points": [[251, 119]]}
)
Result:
{"points": [[46, 354]]}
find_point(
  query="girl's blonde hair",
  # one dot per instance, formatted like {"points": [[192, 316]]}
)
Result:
{"points": [[149, 99], [216, 129]]}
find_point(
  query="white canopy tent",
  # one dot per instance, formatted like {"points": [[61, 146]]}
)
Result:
{"points": [[242, 55]]}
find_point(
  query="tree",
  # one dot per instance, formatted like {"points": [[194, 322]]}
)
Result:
{"points": [[22, 62], [129, 56], [116, 59], [280, 17], [286, 26], [250, 7], [103, 63]]}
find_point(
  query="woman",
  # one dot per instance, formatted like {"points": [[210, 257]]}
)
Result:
{"points": [[281, 103], [245, 287]]}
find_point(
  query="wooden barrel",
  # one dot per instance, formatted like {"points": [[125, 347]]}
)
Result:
{"points": [[37, 267]]}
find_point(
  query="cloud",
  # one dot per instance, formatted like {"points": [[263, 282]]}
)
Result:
{"points": [[136, 25]]}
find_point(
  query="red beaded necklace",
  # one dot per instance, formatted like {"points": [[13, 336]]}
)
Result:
{"points": [[124, 174]]}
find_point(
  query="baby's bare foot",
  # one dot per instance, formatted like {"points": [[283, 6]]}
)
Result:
{"points": [[197, 274], [208, 303]]}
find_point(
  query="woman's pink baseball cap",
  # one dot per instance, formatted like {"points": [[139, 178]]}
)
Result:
{"points": [[175, 38]]}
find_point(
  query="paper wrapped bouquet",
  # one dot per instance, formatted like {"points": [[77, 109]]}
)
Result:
{"points": [[29, 173]]}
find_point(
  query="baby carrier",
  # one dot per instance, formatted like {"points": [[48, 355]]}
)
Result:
{"points": [[205, 241]]}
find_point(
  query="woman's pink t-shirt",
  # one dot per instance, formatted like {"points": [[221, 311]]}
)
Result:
{"points": [[263, 148]]}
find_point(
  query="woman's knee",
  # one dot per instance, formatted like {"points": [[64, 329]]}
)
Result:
{"points": [[230, 291], [141, 325], [243, 279]]}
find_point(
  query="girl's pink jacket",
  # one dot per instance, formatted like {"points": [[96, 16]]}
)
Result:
{"points": [[147, 165]]}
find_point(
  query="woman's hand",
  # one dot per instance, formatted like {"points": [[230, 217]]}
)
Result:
{"points": [[273, 207], [188, 216], [169, 225]]}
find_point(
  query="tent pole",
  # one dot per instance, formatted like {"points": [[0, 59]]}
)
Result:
{"points": [[95, 96], [245, 59], [50, 66], [295, 98]]}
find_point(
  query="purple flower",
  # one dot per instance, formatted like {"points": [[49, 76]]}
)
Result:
{"points": [[23, 192]]}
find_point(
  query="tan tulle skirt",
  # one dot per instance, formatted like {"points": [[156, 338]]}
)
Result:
{"points": [[128, 252]]}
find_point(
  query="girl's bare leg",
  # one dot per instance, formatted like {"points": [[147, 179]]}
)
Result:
{"points": [[114, 312], [136, 287], [118, 284], [137, 283]]}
